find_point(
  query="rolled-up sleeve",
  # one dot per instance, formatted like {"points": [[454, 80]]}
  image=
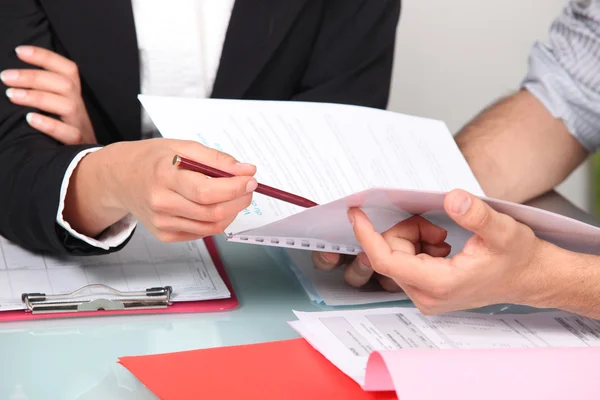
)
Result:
{"points": [[564, 71]]}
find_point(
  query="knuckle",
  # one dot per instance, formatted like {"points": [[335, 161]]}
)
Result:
{"points": [[164, 237], [247, 201], [389, 285], [427, 305], [379, 265], [223, 158], [72, 69], [70, 108], [69, 86], [156, 221], [388, 235], [77, 137], [215, 229], [200, 194], [480, 216], [507, 231], [157, 202], [160, 172], [218, 213], [440, 290]]}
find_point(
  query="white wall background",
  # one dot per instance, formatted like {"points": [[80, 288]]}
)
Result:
{"points": [[453, 58]]}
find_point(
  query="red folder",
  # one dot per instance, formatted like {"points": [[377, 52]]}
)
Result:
{"points": [[180, 307], [290, 370]]}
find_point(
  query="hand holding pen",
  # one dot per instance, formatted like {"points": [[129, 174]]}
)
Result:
{"points": [[263, 189]]}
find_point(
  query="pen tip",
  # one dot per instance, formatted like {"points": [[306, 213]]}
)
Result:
{"points": [[176, 161]]}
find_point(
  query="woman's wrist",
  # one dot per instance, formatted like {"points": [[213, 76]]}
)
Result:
{"points": [[92, 202]]}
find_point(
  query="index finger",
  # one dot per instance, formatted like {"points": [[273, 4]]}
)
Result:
{"points": [[47, 60], [203, 190]]}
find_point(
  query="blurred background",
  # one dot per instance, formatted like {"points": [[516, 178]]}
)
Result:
{"points": [[453, 58]]}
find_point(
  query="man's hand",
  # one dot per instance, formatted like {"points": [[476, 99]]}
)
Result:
{"points": [[503, 262], [139, 178], [419, 235], [55, 89]]}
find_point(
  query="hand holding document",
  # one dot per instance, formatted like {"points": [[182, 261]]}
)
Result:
{"points": [[339, 156], [389, 165]]}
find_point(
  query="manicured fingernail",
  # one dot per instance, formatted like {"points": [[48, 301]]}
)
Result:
{"points": [[24, 50], [9, 75], [15, 93], [33, 119], [251, 186], [329, 257], [460, 204]]}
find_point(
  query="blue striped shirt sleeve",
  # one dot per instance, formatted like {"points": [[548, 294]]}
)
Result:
{"points": [[564, 71]]}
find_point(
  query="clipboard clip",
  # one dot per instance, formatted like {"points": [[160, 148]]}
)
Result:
{"points": [[115, 300]]}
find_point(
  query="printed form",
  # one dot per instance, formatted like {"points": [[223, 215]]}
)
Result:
{"points": [[347, 338], [144, 263]]}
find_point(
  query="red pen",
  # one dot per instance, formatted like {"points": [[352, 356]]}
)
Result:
{"points": [[181, 162]]}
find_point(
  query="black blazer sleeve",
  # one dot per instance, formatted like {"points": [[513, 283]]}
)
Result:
{"points": [[352, 57], [32, 165]]}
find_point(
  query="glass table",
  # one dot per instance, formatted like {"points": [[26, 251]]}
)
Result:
{"points": [[77, 358]]}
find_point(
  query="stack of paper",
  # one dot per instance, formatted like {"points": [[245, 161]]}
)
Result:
{"points": [[464, 356], [418, 356]]}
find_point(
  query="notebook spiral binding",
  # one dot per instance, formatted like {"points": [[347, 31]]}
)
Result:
{"points": [[304, 244]]}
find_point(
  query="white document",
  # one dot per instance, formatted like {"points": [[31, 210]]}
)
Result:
{"points": [[346, 338], [323, 152], [389, 164], [144, 263]]}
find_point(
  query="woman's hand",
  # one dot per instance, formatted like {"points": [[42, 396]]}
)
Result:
{"points": [[139, 178], [55, 89]]}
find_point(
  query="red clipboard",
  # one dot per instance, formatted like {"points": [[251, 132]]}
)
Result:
{"points": [[179, 307]]}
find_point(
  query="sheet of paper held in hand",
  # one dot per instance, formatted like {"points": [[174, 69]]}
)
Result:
{"points": [[319, 151]]}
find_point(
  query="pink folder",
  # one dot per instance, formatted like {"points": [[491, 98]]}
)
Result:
{"points": [[293, 369], [180, 307], [491, 374]]}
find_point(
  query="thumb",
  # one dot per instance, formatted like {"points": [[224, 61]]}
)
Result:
{"points": [[475, 215]]}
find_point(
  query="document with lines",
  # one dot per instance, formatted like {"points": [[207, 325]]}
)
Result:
{"points": [[340, 156], [347, 338], [144, 263], [323, 152]]}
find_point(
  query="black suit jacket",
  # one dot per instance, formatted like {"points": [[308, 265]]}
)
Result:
{"points": [[337, 51]]}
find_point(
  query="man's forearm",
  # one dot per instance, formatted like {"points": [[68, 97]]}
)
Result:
{"points": [[568, 281], [517, 150]]}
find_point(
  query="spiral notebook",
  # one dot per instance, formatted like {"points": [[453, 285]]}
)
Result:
{"points": [[392, 165]]}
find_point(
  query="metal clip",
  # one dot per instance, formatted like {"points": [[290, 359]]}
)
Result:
{"points": [[40, 303]]}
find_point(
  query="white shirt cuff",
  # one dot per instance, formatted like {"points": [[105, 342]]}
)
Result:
{"points": [[114, 236]]}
